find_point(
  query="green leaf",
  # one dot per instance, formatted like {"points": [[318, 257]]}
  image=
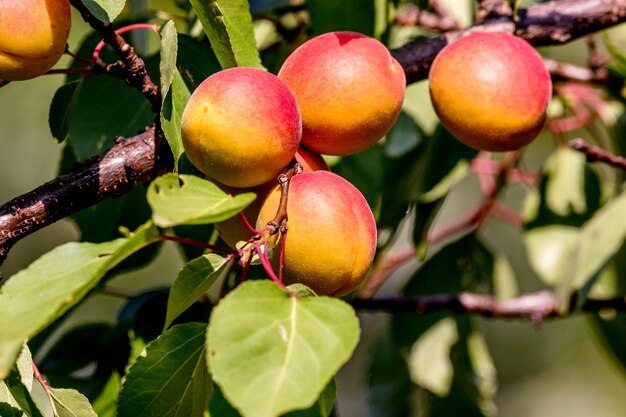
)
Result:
{"points": [[271, 352], [193, 281], [24, 366], [185, 63], [169, 52], [8, 406], [62, 109], [430, 365], [600, 238], [354, 15], [228, 25], [171, 115], [171, 378], [389, 384], [22, 395], [105, 10], [551, 250], [102, 221], [105, 404], [566, 182], [449, 361], [36, 296], [404, 136], [196, 61], [70, 403], [186, 199], [174, 99]]}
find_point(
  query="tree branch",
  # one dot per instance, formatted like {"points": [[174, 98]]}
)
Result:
{"points": [[534, 306], [131, 162], [131, 67], [596, 154], [551, 23]]}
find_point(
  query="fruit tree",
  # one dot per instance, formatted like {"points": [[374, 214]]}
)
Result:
{"points": [[319, 208]]}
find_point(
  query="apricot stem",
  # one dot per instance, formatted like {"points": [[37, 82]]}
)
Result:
{"points": [[198, 243], [265, 261], [78, 70], [247, 224]]}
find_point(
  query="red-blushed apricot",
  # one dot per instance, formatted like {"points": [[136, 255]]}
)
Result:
{"points": [[233, 230], [491, 91], [241, 127], [331, 237], [33, 35], [350, 91]]}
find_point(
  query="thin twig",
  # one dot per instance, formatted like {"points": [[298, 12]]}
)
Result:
{"points": [[130, 67], [596, 154], [534, 306]]}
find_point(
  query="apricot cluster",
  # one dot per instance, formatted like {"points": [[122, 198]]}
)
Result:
{"points": [[491, 91], [337, 94], [33, 35]]}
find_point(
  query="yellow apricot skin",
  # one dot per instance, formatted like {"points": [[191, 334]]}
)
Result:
{"points": [[331, 237], [491, 91], [233, 230], [33, 35], [350, 90], [241, 127]]}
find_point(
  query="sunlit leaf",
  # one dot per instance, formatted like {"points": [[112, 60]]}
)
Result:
{"points": [[193, 281], [186, 199], [70, 403], [105, 10], [228, 25], [39, 294], [171, 379], [271, 352]]}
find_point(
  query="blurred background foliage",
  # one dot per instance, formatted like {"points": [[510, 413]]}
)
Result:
{"points": [[432, 365]]}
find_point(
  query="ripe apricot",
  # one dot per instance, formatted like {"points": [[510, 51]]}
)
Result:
{"points": [[33, 35], [350, 90], [331, 239], [241, 127], [491, 91], [233, 229]]}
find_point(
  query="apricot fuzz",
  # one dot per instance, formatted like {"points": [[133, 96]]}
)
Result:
{"points": [[331, 237], [491, 91], [241, 127], [33, 35], [350, 90]]}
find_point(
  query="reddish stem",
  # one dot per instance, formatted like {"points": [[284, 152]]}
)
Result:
{"points": [[78, 70], [265, 261], [40, 378], [247, 224], [199, 243], [281, 262], [135, 26]]}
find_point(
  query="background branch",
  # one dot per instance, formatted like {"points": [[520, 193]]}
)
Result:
{"points": [[551, 23], [534, 306]]}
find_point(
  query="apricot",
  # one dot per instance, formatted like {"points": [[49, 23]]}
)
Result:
{"points": [[241, 127], [233, 229], [331, 239], [33, 35], [491, 91], [350, 90]]}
